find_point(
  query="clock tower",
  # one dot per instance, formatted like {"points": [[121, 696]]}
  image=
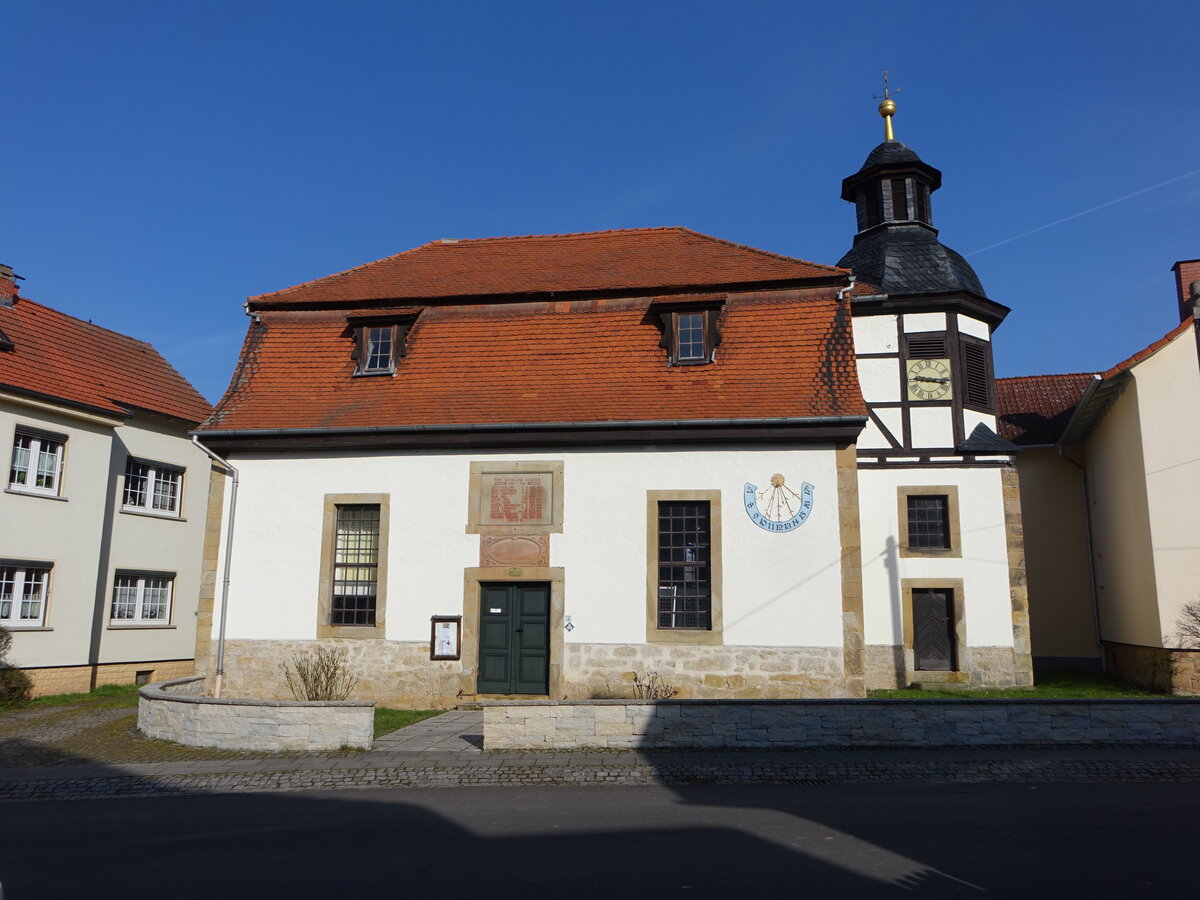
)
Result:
{"points": [[922, 322]]}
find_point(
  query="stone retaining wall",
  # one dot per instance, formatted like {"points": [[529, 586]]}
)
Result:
{"points": [[543, 724], [174, 711]]}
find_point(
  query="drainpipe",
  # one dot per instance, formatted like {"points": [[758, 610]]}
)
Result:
{"points": [[233, 472], [1087, 520], [842, 292]]}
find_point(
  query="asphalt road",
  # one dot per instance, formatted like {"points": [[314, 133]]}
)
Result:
{"points": [[1028, 841]]}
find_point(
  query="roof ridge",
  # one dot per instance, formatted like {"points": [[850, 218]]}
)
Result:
{"points": [[86, 323], [451, 242], [1048, 375], [759, 251]]}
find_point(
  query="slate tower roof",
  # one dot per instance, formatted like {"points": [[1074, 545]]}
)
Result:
{"points": [[897, 247]]}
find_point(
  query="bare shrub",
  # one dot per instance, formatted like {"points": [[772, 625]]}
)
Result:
{"points": [[1187, 627], [653, 688], [15, 685], [319, 674]]}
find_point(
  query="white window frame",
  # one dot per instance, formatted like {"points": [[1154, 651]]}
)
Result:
{"points": [[139, 580], [20, 572], [154, 474], [37, 441]]}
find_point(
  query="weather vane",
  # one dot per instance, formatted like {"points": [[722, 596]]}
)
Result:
{"points": [[887, 107]]}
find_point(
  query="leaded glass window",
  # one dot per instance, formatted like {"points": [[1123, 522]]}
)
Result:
{"points": [[928, 521], [684, 564], [355, 565]]}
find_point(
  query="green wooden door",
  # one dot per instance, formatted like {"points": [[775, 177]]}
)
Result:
{"points": [[514, 638]]}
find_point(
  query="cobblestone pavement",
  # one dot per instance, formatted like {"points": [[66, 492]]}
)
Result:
{"points": [[445, 751]]}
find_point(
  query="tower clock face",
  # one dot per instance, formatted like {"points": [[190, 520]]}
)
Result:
{"points": [[929, 379]]}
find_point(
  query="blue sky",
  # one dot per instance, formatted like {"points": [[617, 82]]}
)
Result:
{"points": [[166, 159]]}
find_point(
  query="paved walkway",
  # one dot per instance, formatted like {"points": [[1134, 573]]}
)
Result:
{"points": [[456, 731]]}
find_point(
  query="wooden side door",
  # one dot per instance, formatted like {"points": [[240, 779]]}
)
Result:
{"points": [[514, 638], [933, 629]]}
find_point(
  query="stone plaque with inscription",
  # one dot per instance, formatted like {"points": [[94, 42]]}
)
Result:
{"points": [[514, 550], [516, 498]]}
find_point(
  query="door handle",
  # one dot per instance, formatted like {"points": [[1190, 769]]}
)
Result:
{"points": [[520, 630]]}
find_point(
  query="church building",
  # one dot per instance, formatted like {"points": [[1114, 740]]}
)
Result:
{"points": [[559, 465]]}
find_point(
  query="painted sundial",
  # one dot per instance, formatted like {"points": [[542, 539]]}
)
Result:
{"points": [[777, 507]]}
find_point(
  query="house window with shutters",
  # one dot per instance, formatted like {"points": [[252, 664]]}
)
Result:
{"points": [[690, 334]]}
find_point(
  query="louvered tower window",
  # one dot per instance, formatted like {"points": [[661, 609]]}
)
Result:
{"points": [[977, 374]]}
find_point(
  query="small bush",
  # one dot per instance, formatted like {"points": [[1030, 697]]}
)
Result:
{"points": [[653, 688], [15, 685], [319, 674]]}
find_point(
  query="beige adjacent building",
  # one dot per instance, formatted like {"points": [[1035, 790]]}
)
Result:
{"points": [[1110, 486], [103, 509]]}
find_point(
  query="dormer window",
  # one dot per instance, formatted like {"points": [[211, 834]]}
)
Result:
{"points": [[690, 345], [379, 341], [690, 334], [379, 345]]}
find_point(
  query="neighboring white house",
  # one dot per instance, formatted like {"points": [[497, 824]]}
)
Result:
{"points": [[103, 512], [554, 465], [1110, 484]]}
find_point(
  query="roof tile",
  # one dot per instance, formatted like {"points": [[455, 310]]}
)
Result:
{"points": [[59, 356]]}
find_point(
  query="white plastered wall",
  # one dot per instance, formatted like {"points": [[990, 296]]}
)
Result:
{"points": [[983, 566], [778, 589]]}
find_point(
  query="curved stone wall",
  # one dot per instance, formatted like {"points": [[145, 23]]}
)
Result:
{"points": [[176, 711]]}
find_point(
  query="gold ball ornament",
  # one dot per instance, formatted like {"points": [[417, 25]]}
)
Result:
{"points": [[887, 108]]}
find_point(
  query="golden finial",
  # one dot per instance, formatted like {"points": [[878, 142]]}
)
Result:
{"points": [[887, 108]]}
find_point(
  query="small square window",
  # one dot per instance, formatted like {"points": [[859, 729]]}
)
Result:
{"points": [[153, 487], [37, 462], [142, 599], [24, 588], [929, 521]]}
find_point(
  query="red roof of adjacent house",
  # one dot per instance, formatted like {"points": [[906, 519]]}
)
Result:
{"points": [[1034, 409], [632, 259], [61, 357], [783, 354]]}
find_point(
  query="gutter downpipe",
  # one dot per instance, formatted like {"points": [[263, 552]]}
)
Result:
{"points": [[842, 292], [1087, 519], [228, 555]]}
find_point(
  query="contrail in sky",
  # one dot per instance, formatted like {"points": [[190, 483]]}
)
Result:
{"points": [[1153, 187]]}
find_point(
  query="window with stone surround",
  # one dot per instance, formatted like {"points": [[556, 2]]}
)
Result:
{"points": [[683, 560], [928, 520], [353, 577]]}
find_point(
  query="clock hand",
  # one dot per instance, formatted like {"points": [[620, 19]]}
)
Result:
{"points": [[937, 380]]}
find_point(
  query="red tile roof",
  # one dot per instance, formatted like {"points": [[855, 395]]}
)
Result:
{"points": [[1175, 332], [1034, 409], [632, 259], [59, 356], [783, 354]]}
